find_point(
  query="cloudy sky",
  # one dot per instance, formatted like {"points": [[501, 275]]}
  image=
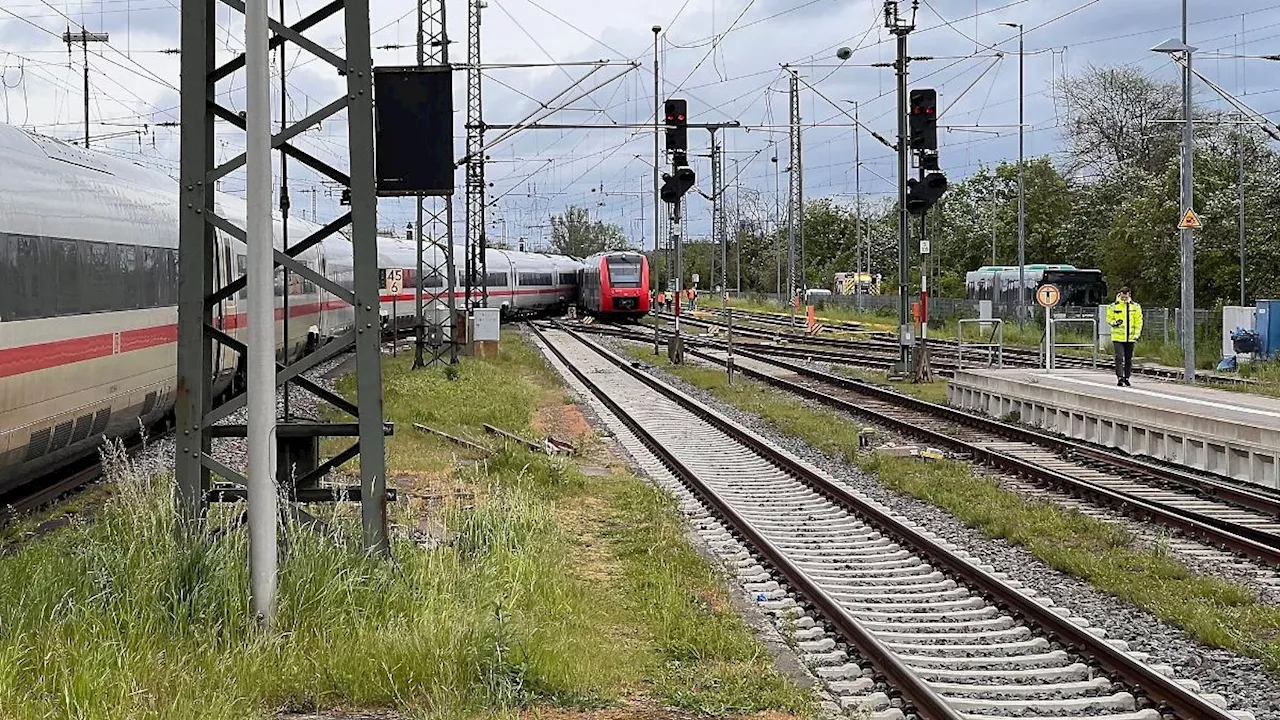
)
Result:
{"points": [[725, 56]]}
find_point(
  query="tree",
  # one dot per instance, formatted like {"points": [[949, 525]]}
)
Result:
{"points": [[1112, 116], [573, 232]]}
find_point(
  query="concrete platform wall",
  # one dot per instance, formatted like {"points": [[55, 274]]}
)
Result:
{"points": [[1180, 433]]}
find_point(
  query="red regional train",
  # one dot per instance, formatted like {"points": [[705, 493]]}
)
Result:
{"points": [[615, 285]]}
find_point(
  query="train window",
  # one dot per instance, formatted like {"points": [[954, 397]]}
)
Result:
{"points": [[65, 266], [536, 279], [624, 272], [568, 278], [433, 280], [242, 267], [496, 279], [32, 293], [8, 281], [149, 292], [95, 287], [167, 260], [126, 290]]}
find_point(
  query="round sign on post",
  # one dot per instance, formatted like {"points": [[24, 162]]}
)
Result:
{"points": [[1048, 296]]}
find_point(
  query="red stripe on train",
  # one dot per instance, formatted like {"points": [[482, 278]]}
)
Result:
{"points": [[42, 356]]}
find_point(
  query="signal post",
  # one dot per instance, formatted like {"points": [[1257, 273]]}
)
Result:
{"points": [[921, 194], [674, 185]]}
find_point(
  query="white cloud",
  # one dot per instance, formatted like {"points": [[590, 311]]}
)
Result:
{"points": [[733, 76]]}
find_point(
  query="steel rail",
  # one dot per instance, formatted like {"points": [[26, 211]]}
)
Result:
{"points": [[1243, 540], [1246, 497], [927, 702], [1161, 689], [1024, 356]]}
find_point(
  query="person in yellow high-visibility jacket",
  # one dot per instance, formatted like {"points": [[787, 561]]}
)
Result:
{"points": [[1125, 318]]}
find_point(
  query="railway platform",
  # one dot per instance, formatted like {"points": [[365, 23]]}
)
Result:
{"points": [[1232, 434]]}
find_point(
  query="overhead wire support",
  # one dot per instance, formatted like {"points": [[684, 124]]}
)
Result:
{"points": [[795, 200], [207, 349], [476, 270], [901, 28], [436, 339], [84, 37], [854, 118]]}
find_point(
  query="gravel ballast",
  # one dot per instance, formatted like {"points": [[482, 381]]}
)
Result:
{"points": [[1244, 682]]}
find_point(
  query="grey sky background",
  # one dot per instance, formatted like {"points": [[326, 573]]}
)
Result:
{"points": [[724, 56]]}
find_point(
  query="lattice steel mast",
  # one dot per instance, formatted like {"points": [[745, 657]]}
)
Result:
{"points": [[207, 279], [436, 276], [795, 199], [476, 241]]}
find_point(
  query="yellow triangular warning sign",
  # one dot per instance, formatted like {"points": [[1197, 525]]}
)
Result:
{"points": [[1190, 220]]}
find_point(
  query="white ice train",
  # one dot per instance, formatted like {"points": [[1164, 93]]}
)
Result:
{"points": [[519, 283], [88, 298]]}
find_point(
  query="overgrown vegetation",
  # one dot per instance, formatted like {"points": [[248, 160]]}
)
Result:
{"points": [[535, 585], [1215, 611]]}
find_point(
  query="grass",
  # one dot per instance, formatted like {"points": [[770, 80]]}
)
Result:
{"points": [[537, 587], [1216, 612], [934, 392]]}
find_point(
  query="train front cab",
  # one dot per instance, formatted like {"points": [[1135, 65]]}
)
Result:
{"points": [[624, 285]]}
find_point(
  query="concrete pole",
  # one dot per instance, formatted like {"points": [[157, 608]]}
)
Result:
{"points": [[1240, 190], [262, 331], [904, 228], [1022, 183], [857, 222], [737, 237], [1188, 248], [777, 222], [793, 199], [657, 183]]}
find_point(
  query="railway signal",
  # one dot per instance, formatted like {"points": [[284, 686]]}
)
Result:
{"points": [[923, 119], [922, 194], [677, 119], [675, 185]]}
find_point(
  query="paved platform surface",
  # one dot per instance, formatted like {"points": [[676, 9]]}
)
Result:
{"points": [[1228, 433]]}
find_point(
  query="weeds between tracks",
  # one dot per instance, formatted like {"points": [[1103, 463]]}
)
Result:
{"points": [[533, 586]]}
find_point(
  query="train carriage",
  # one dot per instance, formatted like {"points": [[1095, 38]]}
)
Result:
{"points": [[88, 300], [519, 283], [615, 285]]}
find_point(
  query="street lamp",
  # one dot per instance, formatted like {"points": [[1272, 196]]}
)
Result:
{"points": [[1188, 328], [1022, 185]]}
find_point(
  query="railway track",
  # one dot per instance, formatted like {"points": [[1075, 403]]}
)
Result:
{"points": [[887, 343], [1215, 510], [930, 632]]}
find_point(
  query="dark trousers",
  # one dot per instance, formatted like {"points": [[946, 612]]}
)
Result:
{"points": [[1124, 359]]}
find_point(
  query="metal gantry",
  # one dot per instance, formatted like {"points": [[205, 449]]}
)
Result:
{"points": [[206, 279], [436, 277], [717, 212], [476, 271]]}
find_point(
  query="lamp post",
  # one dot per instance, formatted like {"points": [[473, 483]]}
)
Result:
{"points": [[1022, 184], [1188, 326]]}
